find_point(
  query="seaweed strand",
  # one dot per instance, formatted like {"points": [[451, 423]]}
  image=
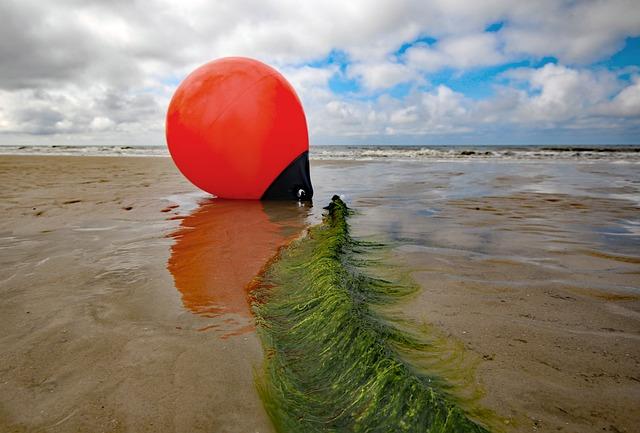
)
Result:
{"points": [[332, 362]]}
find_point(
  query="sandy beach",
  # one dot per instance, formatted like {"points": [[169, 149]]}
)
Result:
{"points": [[124, 303], [95, 335]]}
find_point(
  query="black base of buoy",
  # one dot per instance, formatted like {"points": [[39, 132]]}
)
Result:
{"points": [[294, 183]]}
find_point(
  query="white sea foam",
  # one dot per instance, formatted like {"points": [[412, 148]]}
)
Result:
{"points": [[377, 153], [478, 153], [85, 150]]}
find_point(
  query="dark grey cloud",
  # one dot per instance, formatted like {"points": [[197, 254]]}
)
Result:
{"points": [[36, 52], [42, 120]]}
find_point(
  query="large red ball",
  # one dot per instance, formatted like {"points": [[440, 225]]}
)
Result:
{"points": [[234, 125]]}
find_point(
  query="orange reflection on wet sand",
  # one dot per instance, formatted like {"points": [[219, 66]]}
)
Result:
{"points": [[221, 247]]}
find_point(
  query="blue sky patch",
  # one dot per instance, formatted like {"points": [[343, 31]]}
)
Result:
{"points": [[629, 55], [341, 84], [419, 40], [495, 27]]}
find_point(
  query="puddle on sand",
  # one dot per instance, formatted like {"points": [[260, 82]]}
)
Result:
{"points": [[220, 247]]}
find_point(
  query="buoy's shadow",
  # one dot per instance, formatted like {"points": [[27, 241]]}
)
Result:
{"points": [[220, 247]]}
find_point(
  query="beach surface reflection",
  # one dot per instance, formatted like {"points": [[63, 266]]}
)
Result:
{"points": [[221, 247]]}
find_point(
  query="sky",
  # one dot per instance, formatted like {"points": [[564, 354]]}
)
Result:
{"points": [[93, 72]]}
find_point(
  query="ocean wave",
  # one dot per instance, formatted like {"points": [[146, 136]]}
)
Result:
{"points": [[375, 153], [62, 150], [626, 153]]}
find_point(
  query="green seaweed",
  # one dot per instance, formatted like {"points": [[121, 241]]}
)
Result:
{"points": [[333, 361]]}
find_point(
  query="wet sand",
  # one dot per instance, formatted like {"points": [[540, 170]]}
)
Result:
{"points": [[555, 321], [534, 267], [124, 304], [94, 335]]}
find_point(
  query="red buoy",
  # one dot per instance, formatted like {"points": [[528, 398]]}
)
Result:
{"points": [[236, 129]]}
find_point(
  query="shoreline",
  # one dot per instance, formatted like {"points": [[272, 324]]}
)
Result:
{"points": [[435, 153]]}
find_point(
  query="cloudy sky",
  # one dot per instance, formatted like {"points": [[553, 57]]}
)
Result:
{"points": [[368, 72]]}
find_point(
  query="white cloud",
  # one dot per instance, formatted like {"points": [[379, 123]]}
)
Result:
{"points": [[424, 58], [310, 83], [626, 103], [104, 70], [440, 111], [561, 93], [404, 116], [378, 76], [459, 52], [78, 110], [101, 123], [574, 32], [549, 97], [472, 50]]}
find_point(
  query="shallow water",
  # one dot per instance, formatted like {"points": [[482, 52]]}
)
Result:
{"points": [[595, 203], [534, 267]]}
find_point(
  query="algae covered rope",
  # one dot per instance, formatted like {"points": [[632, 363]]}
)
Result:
{"points": [[332, 363]]}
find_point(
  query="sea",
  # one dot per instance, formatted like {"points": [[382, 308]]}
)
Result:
{"points": [[629, 153]]}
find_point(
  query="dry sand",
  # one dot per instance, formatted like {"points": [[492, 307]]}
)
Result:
{"points": [[112, 318]]}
